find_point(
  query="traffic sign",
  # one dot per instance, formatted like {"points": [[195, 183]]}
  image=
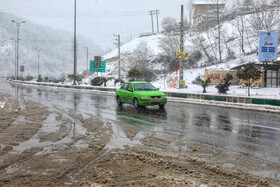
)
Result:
{"points": [[21, 68], [184, 55], [101, 69], [97, 60]]}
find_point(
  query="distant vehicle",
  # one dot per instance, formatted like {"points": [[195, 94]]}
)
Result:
{"points": [[140, 94]]}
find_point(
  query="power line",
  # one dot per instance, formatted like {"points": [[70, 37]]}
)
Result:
{"points": [[69, 11], [37, 11]]}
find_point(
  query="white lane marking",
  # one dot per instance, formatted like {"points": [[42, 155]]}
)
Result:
{"points": [[266, 127]]}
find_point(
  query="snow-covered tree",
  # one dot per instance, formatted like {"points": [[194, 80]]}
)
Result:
{"points": [[169, 24], [249, 73]]}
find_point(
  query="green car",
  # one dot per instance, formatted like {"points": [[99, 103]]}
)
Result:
{"points": [[140, 94]]}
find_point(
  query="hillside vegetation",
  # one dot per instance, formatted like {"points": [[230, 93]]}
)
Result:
{"points": [[222, 44]]}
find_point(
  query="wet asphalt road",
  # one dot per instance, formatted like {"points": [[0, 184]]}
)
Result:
{"points": [[253, 134]]}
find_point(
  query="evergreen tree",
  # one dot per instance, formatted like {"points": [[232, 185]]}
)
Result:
{"points": [[249, 73], [97, 81], [223, 87], [134, 74]]}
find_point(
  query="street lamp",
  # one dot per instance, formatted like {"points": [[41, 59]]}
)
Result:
{"points": [[38, 49], [75, 44], [15, 56], [18, 25]]}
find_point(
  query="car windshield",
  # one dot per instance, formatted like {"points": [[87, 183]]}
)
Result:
{"points": [[143, 86]]}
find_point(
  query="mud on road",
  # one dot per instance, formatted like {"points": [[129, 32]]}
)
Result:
{"points": [[40, 146]]}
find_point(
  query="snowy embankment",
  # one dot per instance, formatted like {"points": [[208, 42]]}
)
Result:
{"points": [[232, 55], [235, 91], [241, 106]]}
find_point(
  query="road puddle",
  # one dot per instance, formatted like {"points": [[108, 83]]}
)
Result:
{"points": [[119, 139], [33, 142], [19, 120], [50, 124], [81, 144]]}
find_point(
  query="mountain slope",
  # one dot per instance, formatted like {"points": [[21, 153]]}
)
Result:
{"points": [[56, 56]]}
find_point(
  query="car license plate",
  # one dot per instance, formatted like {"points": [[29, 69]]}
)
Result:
{"points": [[156, 100]]}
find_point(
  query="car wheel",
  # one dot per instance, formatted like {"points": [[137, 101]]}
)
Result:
{"points": [[136, 103], [161, 106], [119, 101]]}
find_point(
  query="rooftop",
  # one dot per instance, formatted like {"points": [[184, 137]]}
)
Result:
{"points": [[208, 2]]}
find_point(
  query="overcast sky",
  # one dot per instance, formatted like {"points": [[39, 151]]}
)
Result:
{"points": [[97, 20]]}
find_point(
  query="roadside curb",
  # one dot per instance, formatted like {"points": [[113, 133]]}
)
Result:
{"points": [[242, 106], [245, 103]]}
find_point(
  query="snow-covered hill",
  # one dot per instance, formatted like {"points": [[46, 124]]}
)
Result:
{"points": [[232, 54], [56, 56]]}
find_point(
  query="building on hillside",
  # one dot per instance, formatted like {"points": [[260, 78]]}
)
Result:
{"points": [[206, 10], [270, 73]]}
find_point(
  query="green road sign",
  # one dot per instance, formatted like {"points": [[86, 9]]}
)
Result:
{"points": [[101, 69]]}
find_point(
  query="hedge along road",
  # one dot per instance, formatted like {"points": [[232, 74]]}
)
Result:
{"points": [[254, 135]]}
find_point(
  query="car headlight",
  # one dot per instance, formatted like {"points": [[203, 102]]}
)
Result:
{"points": [[145, 97]]}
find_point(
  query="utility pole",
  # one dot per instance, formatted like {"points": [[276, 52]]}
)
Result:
{"points": [[38, 49], [15, 56], [181, 73], [87, 61], [157, 13], [119, 54], [18, 25], [151, 13], [75, 44]]}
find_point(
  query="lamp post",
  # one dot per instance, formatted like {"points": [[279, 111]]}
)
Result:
{"points": [[75, 44], [15, 56], [18, 25], [38, 49]]}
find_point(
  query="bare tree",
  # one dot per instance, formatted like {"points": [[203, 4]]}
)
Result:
{"points": [[169, 24], [199, 41], [170, 44], [142, 55], [238, 23], [264, 17], [212, 43], [218, 12]]}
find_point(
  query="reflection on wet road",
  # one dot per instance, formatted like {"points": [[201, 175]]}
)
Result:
{"points": [[255, 134]]}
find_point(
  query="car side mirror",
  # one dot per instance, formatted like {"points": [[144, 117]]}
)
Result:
{"points": [[129, 89], [157, 89]]}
